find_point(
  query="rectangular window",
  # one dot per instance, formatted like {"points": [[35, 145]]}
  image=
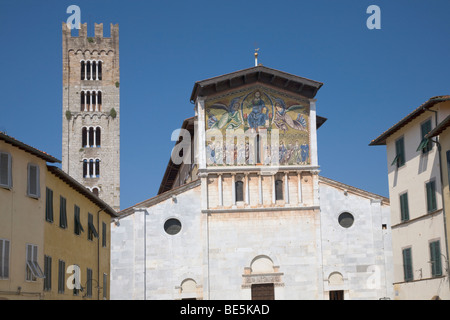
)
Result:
{"points": [[448, 167], [47, 273], [92, 232], [425, 144], [407, 265], [404, 208], [435, 258], [48, 205], [33, 270], [33, 189], [399, 159], [78, 228], [103, 235], [62, 212], [89, 283], [431, 196], [105, 286], [264, 291], [5, 170], [61, 276], [4, 259]]}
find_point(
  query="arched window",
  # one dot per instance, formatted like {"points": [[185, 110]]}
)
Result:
{"points": [[98, 106], [279, 190], [91, 168], [99, 70], [98, 137], [83, 70], [84, 137], [97, 168], [91, 137], [95, 191], [83, 101], [88, 70], [85, 168], [239, 191]]}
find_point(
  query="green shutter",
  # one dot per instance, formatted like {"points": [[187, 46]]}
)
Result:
{"points": [[404, 209], [435, 258], [400, 152], [407, 265], [49, 205], [431, 196]]}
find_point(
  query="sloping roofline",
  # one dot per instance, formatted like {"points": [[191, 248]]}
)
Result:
{"points": [[439, 128], [38, 153], [381, 140], [82, 189], [299, 85]]}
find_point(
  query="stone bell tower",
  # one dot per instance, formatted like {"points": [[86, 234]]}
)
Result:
{"points": [[91, 111]]}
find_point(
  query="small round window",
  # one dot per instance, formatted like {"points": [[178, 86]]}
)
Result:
{"points": [[172, 226], [346, 220]]}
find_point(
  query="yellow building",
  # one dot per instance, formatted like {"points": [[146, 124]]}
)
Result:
{"points": [[22, 202], [54, 232], [76, 240], [441, 135]]}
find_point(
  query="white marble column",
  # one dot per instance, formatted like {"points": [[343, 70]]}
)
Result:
{"points": [[313, 133], [247, 189], [219, 180]]}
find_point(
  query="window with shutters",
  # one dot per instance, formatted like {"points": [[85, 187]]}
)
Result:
{"points": [[278, 189], [239, 191], [407, 265], [89, 283], [62, 212], [47, 273], [425, 144], [92, 232], [78, 228], [399, 159], [4, 259], [404, 208], [435, 258], [5, 170], [431, 195], [33, 270], [33, 189], [103, 235], [48, 205], [61, 276]]}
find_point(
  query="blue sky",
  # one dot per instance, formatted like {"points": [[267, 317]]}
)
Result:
{"points": [[372, 78]]}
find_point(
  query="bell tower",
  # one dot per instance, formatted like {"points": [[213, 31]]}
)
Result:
{"points": [[91, 111]]}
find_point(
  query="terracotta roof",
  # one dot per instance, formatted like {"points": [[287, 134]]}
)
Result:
{"points": [[381, 140], [38, 153], [82, 189], [439, 128], [299, 85]]}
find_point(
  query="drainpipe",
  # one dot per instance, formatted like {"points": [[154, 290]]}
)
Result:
{"points": [[442, 185]]}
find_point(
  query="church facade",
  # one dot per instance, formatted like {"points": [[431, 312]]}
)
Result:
{"points": [[242, 212]]}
